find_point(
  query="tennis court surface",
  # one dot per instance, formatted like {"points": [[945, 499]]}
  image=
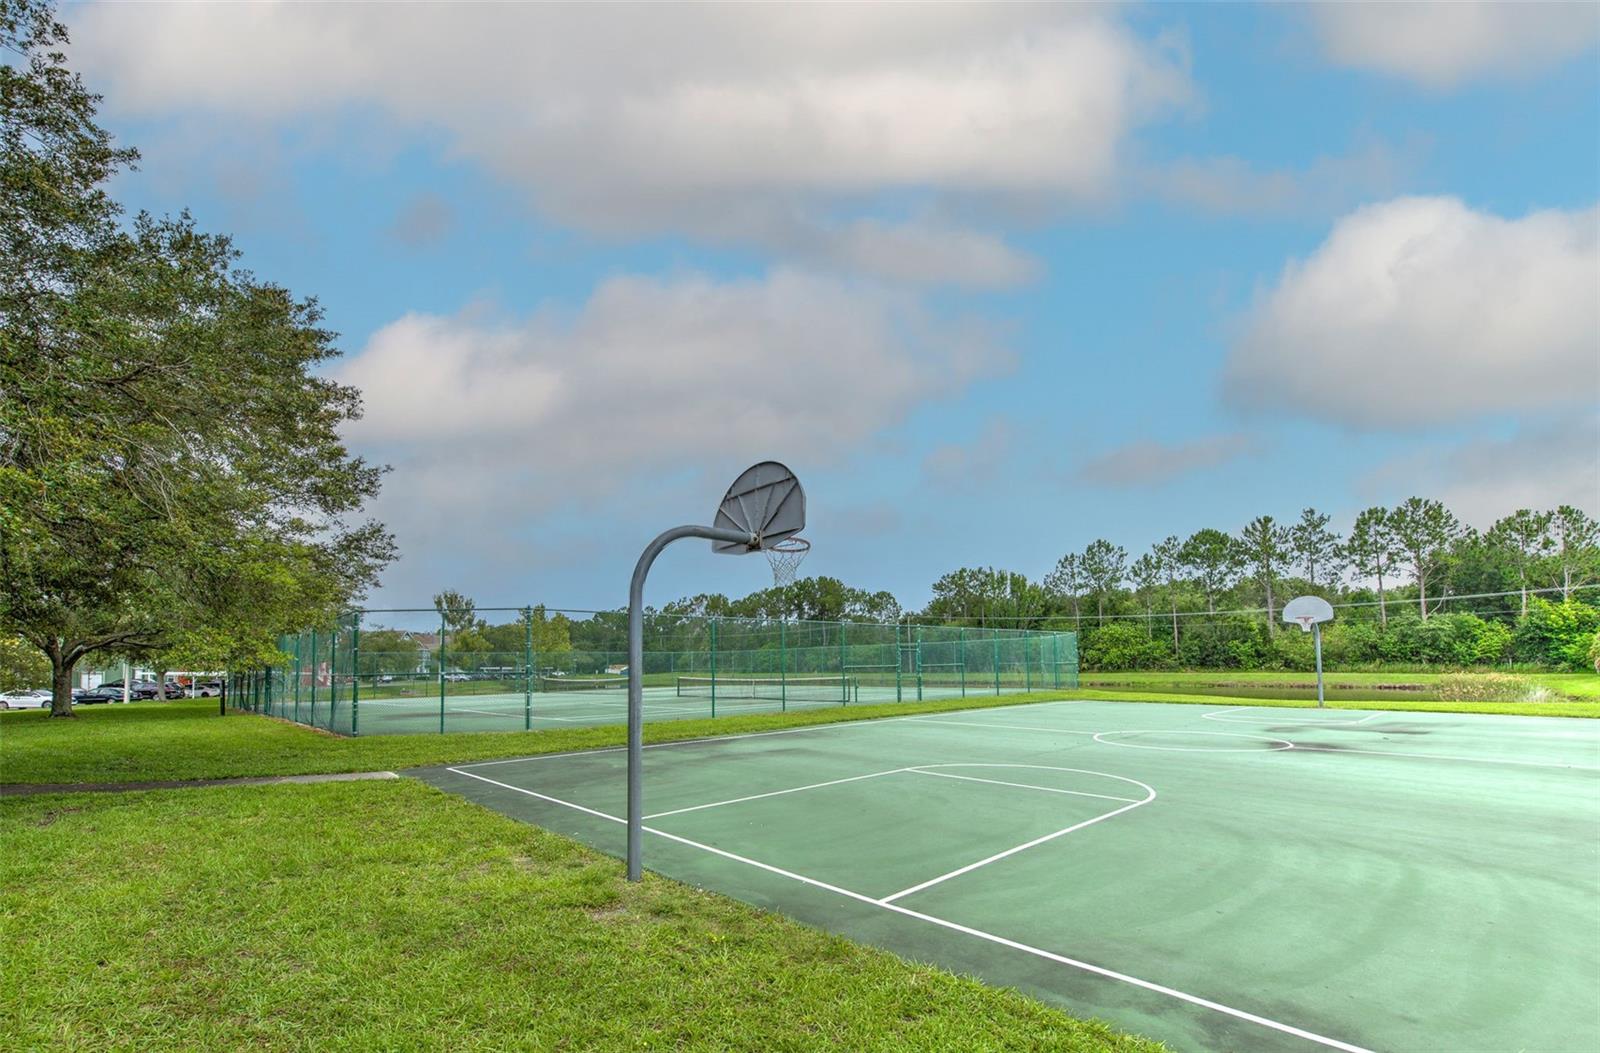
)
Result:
{"points": [[1217, 878]]}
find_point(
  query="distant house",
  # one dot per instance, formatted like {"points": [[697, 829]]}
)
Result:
{"points": [[427, 646]]}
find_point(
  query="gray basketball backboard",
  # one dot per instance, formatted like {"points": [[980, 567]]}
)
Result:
{"points": [[1306, 611], [766, 501]]}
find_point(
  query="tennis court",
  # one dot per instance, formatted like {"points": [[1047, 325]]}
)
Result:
{"points": [[575, 701], [381, 680], [1228, 878]]}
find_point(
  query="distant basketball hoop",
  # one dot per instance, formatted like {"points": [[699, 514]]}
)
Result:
{"points": [[1310, 612], [786, 557]]}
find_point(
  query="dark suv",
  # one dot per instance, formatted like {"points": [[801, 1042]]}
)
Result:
{"points": [[143, 689]]}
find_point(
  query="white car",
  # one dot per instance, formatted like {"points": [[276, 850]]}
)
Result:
{"points": [[33, 699]]}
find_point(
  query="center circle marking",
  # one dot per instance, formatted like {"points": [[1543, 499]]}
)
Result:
{"points": [[1269, 745]]}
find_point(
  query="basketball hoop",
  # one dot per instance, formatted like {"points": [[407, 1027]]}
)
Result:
{"points": [[1309, 612], [785, 558], [764, 508]]}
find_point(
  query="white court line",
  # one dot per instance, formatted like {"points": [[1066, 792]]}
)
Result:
{"points": [[1440, 756], [1284, 744], [1292, 746], [701, 740], [776, 793], [1018, 785], [1014, 727], [421, 712], [1150, 796], [1218, 715], [1038, 952]]}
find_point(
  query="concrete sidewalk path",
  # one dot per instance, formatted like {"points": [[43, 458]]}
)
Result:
{"points": [[32, 789]]}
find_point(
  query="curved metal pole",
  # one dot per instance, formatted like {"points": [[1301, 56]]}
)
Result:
{"points": [[636, 674]]}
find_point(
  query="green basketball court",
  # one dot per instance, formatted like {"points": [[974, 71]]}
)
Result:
{"points": [[1228, 878]]}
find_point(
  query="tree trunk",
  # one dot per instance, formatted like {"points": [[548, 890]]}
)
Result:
{"points": [[60, 679], [1383, 613], [1422, 592]]}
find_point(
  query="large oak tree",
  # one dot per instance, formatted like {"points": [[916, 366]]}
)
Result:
{"points": [[172, 479]]}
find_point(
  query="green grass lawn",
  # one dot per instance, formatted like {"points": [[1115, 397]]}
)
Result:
{"points": [[384, 915], [187, 740], [378, 916]]}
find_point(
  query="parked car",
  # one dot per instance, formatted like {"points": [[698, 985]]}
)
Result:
{"points": [[205, 689], [456, 678], [142, 689], [96, 695], [26, 699], [137, 689]]}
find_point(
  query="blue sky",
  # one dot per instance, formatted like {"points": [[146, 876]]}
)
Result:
{"points": [[995, 281]]}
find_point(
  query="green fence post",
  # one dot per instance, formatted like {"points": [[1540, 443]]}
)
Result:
{"points": [[961, 658], [844, 666], [527, 672], [441, 672], [313, 678], [713, 667], [996, 638], [1027, 666], [333, 677], [900, 664], [918, 659], [783, 680], [355, 674]]}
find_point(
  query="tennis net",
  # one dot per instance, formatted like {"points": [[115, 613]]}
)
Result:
{"points": [[769, 688], [580, 683]]}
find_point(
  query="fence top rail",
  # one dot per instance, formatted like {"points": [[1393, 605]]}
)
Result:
{"points": [[723, 622]]}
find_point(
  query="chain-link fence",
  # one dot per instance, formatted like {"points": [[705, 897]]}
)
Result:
{"points": [[418, 671]]}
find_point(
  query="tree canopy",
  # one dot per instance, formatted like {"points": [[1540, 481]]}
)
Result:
{"points": [[172, 477]]}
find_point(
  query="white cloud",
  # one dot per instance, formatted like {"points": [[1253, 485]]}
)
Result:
{"points": [[1421, 311], [494, 425], [925, 253], [1226, 185], [1544, 465], [717, 119], [1441, 45], [973, 465], [1150, 463]]}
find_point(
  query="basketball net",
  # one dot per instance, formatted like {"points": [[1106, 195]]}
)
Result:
{"points": [[785, 558]]}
